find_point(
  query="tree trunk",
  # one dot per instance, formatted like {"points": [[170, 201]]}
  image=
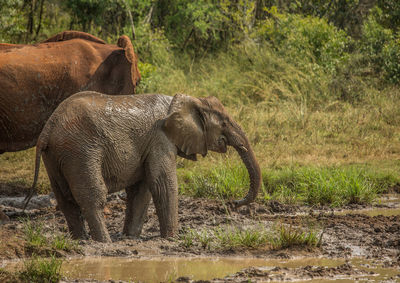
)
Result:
{"points": [[40, 20], [29, 26], [128, 11]]}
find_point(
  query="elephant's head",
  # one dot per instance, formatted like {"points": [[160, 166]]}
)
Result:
{"points": [[196, 125]]}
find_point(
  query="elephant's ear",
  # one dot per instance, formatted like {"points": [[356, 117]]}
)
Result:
{"points": [[130, 55], [185, 124], [125, 43]]}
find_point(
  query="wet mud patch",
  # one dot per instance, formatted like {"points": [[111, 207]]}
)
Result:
{"points": [[345, 234]]}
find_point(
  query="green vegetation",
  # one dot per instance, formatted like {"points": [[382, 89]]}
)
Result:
{"points": [[311, 185], [41, 270], [313, 83], [38, 242], [235, 238], [289, 236], [35, 270]]}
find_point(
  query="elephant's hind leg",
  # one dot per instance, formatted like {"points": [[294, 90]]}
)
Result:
{"points": [[72, 213], [137, 203], [91, 196], [65, 201], [92, 205]]}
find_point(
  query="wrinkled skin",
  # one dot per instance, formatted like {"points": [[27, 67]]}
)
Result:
{"points": [[95, 144], [35, 79]]}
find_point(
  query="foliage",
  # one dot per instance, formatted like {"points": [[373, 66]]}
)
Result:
{"points": [[306, 38], [382, 47], [41, 270], [36, 239], [289, 236], [34, 234], [221, 182], [323, 186], [258, 237], [11, 23], [329, 186], [226, 238], [390, 16]]}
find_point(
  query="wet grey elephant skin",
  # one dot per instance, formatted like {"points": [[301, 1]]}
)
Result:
{"points": [[94, 144]]}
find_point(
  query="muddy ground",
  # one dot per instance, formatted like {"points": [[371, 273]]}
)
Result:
{"points": [[346, 236]]}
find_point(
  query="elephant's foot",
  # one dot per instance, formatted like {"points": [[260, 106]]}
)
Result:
{"points": [[130, 237], [79, 234], [105, 238], [168, 233], [97, 225]]}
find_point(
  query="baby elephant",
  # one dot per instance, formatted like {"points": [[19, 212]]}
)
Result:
{"points": [[94, 144]]}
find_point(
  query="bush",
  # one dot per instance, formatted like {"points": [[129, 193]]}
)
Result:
{"points": [[382, 49], [307, 39], [391, 61]]}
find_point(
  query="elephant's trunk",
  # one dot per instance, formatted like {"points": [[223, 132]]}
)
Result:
{"points": [[240, 142]]}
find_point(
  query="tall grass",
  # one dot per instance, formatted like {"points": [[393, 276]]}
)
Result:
{"points": [[311, 185], [299, 120]]}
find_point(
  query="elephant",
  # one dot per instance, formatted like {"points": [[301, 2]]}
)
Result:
{"points": [[94, 144], [34, 79]]}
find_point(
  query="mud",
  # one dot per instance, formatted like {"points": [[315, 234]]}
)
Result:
{"points": [[347, 234]]}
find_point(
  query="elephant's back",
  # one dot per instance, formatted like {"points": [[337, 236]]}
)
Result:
{"points": [[107, 118], [154, 106]]}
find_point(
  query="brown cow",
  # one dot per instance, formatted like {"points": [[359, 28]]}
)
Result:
{"points": [[34, 79]]}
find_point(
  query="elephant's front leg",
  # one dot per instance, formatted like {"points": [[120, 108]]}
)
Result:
{"points": [[137, 203], [163, 185]]}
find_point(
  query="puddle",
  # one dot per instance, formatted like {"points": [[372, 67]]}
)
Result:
{"points": [[371, 211], [154, 270], [168, 269], [391, 200]]}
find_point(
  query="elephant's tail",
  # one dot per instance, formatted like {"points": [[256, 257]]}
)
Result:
{"points": [[40, 146]]}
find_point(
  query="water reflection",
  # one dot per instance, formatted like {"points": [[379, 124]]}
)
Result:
{"points": [[155, 270], [168, 269]]}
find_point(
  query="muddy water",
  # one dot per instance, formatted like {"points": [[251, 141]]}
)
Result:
{"points": [[371, 212], [154, 269], [392, 200], [168, 269]]}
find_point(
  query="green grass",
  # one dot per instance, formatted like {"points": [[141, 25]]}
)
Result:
{"points": [[289, 236], [334, 186], [237, 238], [314, 146], [36, 269], [36, 239], [233, 238], [34, 234]]}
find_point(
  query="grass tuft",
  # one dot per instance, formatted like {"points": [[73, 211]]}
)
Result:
{"points": [[37, 241], [34, 234], [41, 270], [238, 238], [289, 236]]}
